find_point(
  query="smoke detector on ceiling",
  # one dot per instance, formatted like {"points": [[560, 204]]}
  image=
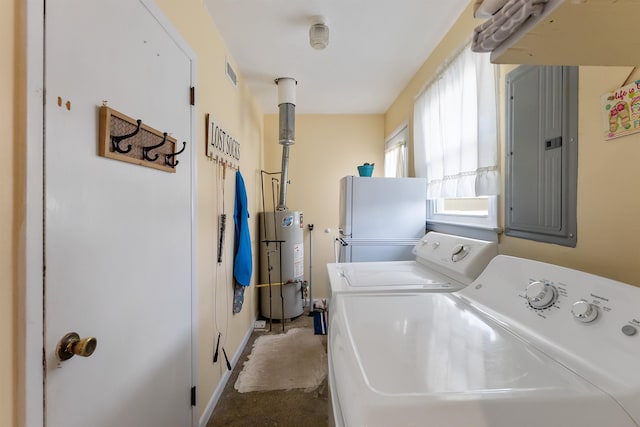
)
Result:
{"points": [[319, 35]]}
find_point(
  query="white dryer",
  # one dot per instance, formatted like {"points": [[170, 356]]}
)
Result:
{"points": [[444, 263], [527, 344]]}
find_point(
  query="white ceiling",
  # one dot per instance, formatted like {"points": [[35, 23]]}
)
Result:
{"points": [[375, 47]]}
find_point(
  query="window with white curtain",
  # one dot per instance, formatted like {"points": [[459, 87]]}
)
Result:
{"points": [[456, 143], [395, 153]]}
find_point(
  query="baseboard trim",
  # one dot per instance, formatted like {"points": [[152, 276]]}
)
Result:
{"points": [[213, 401]]}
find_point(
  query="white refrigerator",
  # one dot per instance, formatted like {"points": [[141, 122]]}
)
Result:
{"points": [[381, 219]]}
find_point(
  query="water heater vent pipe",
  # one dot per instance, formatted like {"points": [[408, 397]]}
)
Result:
{"points": [[287, 110]]}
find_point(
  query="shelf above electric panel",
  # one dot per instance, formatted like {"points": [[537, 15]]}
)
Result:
{"points": [[576, 32]]}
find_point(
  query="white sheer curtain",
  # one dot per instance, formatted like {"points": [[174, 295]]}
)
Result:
{"points": [[395, 161], [455, 130], [395, 152]]}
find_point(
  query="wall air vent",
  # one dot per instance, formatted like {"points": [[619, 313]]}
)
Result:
{"points": [[231, 73]]}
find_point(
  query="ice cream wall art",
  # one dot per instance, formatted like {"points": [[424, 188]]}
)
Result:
{"points": [[621, 111]]}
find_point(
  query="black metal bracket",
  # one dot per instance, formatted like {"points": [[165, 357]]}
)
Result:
{"points": [[145, 150], [168, 158], [116, 140]]}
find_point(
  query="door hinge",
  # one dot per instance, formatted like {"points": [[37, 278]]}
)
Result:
{"points": [[193, 396], [192, 95]]}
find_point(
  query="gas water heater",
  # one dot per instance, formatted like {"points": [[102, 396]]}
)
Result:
{"points": [[281, 231], [281, 234]]}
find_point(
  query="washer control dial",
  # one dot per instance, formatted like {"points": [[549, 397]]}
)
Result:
{"points": [[459, 252], [584, 311], [541, 295]]}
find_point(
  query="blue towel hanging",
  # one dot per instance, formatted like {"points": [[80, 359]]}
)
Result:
{"points": [[242, 264]]}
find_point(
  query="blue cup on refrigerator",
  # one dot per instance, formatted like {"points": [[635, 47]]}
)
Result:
{"points": [[366, 169]]}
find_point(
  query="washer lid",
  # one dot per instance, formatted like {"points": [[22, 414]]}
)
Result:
{"points": [[392, 274], [406, 358]]}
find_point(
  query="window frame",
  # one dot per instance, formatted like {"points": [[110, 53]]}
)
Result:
{"points": [[486, 225]]}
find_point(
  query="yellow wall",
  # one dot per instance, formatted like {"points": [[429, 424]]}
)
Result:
{"points": [[8, 363], [607, 173], [327, 148], [237, 112]]}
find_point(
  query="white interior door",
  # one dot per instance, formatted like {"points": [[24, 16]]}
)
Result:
{"points": [[118, 236]]}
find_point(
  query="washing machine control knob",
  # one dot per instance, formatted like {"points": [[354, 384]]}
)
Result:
{"points": [[584, 311], [541, 295], [459, 252]]}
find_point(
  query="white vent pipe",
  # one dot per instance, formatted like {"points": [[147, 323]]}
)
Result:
{"points": [[287, 107]]}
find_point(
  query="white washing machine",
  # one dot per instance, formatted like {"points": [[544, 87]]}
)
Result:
{"points": [[443, 263], [527, 344]]}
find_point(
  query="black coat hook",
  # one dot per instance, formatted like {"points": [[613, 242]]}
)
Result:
{"points": [[116, 140], [168, 157], [145, 150]]}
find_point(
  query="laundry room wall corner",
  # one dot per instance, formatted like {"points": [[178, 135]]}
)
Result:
{"points": [[236, 110]]}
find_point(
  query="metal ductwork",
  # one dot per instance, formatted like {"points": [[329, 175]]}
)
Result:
{"points": [[287, 107]]}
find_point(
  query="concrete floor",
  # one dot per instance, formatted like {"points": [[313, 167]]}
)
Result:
{"points": [[294, 408]]}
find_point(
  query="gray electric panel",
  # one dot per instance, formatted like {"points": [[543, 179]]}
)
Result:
{"points": [[542, 117]]}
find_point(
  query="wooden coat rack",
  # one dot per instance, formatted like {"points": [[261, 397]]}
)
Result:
{"points": [[129, 140]]}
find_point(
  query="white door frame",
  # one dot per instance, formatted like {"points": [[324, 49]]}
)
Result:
{"points": [[31, 395]]}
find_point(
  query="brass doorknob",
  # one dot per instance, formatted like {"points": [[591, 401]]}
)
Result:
{"points": [[71, 344]]}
